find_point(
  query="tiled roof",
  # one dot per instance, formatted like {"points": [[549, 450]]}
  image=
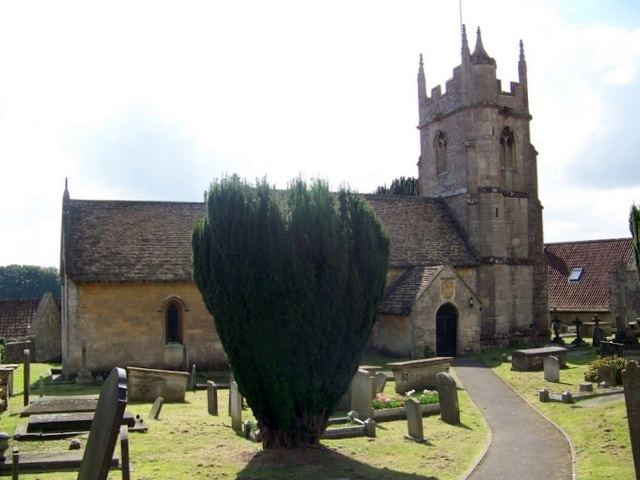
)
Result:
{"points": [[597, 258], [117, 241], [400, 295], [421, 231], [15, 317], [124, 241]]}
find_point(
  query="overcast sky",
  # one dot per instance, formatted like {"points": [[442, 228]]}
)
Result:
{"points": [[152, 100]]}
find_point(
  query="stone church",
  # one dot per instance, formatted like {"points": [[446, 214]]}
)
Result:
{"points": [[467, 267]]}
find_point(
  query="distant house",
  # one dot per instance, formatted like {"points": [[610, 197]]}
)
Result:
{"points": [[31, 323], [593, 277]]}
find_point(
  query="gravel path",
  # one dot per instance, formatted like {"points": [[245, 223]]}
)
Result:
{"points": [[524, 445]]}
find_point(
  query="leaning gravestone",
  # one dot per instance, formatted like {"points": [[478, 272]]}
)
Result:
{"points": [[154, 413], [448, 399], [551, 369], [361, 388], [631, 381], [414, 420], [607, 374], [235, 407], [380, 382], [105, 427]]}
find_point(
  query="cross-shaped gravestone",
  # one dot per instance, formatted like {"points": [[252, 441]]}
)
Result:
{"points": [[578, 341], [556, 330], [598, 333], [105, 427]]}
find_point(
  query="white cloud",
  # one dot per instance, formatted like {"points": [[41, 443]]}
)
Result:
{"points": [[323, 89]]}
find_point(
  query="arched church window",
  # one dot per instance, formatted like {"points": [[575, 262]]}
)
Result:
{"points": [[441, 144], [173, 322], [507, 155]]}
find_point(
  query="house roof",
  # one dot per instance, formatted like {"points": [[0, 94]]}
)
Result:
{"points": [[597, 258], [128, 241], [16, 316], [402, 293]]}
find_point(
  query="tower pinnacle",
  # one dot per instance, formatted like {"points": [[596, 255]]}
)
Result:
{"points": [[480, 55], [422, 82], [465, 44]]}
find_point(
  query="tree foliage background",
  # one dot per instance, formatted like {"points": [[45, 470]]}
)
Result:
{"points": [[400, 186], [634, 226], [294, 281], [28, 281]]}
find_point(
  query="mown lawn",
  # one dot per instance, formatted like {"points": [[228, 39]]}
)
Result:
{"points": [[188, 443], [599, 434]]}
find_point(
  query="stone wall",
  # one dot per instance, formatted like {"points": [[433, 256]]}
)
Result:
{"points": [[392, 335], [45, 327], [124, 325]]}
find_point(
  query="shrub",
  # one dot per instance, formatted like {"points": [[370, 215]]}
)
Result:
{"points": [[617, 363]]}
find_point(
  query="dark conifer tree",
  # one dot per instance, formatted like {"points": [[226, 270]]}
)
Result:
{"points": [[634, 226], [294, 281], [400, 186]]}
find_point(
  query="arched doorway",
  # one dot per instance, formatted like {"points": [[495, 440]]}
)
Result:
{"points": [[447, 331]]}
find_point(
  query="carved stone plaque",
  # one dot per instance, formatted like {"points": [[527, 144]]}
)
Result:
{"points": [[447, 288]]}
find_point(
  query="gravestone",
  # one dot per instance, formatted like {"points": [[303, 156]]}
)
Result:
{"points": [[631, 382], [27, 377], [551, 369], [579, 341], [101, 443], [212, 398], [586, 387], [84, 375], [607, 374], [235, 407], [361, 388], [598, 336], [414, 420], [41, 385], [193, 377], [380, 382], [124, 453], [556, 331], [154, 413], [543, 395], [448, 398]]}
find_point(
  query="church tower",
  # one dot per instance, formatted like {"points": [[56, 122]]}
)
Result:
{"points": [[477, 156]]}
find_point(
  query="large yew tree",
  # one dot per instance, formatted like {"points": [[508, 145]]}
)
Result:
{"points": [[294, 280]]}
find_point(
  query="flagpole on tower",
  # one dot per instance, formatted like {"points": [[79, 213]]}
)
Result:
{"points": [[460, 9]]}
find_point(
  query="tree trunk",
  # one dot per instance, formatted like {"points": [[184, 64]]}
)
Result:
{"points": [[305, 431]]}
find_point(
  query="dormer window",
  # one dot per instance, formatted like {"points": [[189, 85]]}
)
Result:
{"points": [[575, 274], [441, 144], [507, 154]]}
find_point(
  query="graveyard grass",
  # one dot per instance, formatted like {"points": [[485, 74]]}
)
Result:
{"points": [[188, 443], [599, 434]]}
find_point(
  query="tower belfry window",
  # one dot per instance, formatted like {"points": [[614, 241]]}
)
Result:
{"points": [[507, 151], [441, 144]]}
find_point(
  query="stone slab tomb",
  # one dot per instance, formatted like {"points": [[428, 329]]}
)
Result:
{"points": [[551, 369], [146, 384], [71, 404], [69, 422], [419, 374], [611, 349], [531, 359], [448, 399]]}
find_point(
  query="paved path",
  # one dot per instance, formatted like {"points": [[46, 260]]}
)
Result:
{"points": [[524, 445]]}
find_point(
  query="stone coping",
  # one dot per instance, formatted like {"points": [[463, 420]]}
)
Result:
{"points": [[539, 350], [419, 363], [601, 392], [155, 370]]}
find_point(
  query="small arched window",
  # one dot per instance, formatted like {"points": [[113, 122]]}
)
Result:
{"points": [[173, 322], [507, 154], [441, 144]]}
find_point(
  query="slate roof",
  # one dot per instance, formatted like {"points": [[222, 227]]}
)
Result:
{"points": [[401, 294], [128, 241], [597, 258], [421, 231], [16, 316]]}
